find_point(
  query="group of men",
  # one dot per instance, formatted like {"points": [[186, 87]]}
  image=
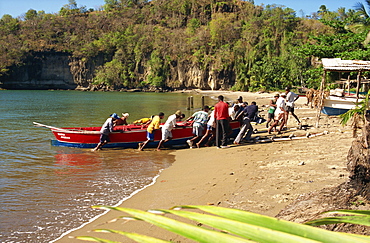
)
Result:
{"points": [[279, 110], [241, 112], [211, 126], [216, 126]]}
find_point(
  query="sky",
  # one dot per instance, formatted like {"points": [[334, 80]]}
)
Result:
{"points": [[17, 8], [310, 6]]}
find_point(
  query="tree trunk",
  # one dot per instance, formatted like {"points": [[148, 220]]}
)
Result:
{"points": [[359, 162]]}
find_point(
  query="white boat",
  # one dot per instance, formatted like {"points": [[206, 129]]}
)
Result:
{"points": [[336, 104]]}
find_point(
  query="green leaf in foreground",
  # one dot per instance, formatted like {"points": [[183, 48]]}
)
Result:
{"points": [[352, 212], [361, 217], [137, 237], [280, 225], [95, 239], [190, 231], [362, 220], [238, 226], [249, 231]]}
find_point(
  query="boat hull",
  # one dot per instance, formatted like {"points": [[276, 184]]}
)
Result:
{"points": [[124, 136], [333, 111], [335, 106]]}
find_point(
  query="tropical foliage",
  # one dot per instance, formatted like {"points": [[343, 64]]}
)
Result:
{"points": [[218, 224], [357, 114], [241, 45]]}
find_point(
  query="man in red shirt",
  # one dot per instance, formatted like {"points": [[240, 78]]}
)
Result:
{"points": [[222, 122]]}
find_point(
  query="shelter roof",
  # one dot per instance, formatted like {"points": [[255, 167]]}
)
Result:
{"points": [[339, 65]]}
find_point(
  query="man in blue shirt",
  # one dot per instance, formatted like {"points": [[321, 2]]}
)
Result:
{"points": [[199, 119], [105, 130], [249, 113]]}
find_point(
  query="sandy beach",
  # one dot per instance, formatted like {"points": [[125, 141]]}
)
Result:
{"points": [[259, 177]]}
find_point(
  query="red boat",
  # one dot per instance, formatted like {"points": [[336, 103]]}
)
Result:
{"points": [[126, 136]]}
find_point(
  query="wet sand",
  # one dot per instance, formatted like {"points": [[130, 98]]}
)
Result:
{"points": [[259, 177]]}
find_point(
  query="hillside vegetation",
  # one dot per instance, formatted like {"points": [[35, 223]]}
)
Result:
{"points": [[207, 44]]}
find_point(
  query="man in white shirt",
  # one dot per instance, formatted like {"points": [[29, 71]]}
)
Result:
{"points": [[280, 113], [167, 127], [233, 111], [290, 99]]}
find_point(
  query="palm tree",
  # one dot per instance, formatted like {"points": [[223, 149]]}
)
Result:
{"points": [[357, 115], [365, 18], [360, 7]]}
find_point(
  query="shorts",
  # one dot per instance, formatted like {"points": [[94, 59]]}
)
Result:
{"points": [[279, 116], [210, 127], [198, 130], [150, 136], [166, 134], [104, 138], [270, 115], [290, 109]]}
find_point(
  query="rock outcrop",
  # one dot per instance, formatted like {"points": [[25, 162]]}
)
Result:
{"points": [[53, 70], [41, 71]]}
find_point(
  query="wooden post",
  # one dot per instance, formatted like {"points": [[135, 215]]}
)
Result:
{"points": [[188, 103], [191, 102], [358, 86], [349, 84], [321, 98], [202, 102]]}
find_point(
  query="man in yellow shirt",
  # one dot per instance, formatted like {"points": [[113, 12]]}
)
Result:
{"points": [[154, 125]]}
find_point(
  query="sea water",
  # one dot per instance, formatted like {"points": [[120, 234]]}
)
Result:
{"points": [[46, 191]]}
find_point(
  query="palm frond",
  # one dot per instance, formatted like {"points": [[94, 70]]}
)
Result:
{"points": [[360, 109], [360, 217], [218, 224], [360, 7]]}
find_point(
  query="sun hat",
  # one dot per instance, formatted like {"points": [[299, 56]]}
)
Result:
{"points": [[178, 113], [283, 94], [115, 116], [276, 95], [125, 114]]}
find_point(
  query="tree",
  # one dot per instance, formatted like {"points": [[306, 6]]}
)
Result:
{"points": [[31, 14], [71, 8], [364, 23], [360, 7], [110, 74]]}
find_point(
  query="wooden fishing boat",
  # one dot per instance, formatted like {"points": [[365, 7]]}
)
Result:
{"points": [[335, 106], [126, 136]]}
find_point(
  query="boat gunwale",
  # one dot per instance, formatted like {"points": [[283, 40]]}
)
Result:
{"points": [[82, 131]]}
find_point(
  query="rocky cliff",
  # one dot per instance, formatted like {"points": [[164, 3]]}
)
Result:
{"points": [[52, 70], [41, 71]]}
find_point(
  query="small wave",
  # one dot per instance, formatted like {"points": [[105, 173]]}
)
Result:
{"points": [[106, 211]]}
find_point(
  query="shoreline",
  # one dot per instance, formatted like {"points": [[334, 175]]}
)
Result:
{"points": [[106, 211], [262, 178]]}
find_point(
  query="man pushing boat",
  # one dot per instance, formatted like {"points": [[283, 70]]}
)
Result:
{"points": [[167, 127], [154, 125], [105, 130]]}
